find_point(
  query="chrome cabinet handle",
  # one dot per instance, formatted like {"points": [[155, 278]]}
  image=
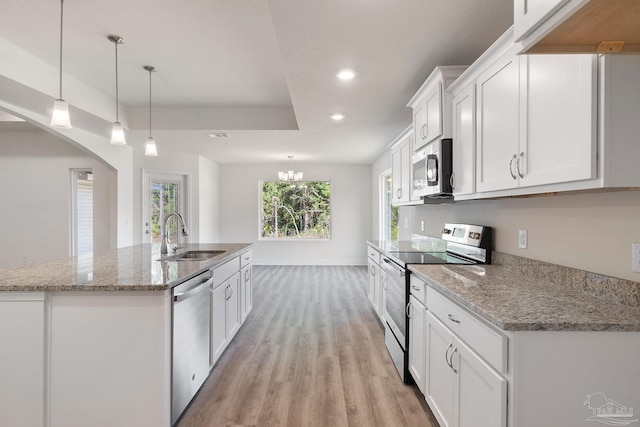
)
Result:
{"points": [[446, 355], [511, 167], [399, 193], [415, 288], [407, 310], [453, 319], [422, 134], [451, 359], [452, 180], [521, 155]]}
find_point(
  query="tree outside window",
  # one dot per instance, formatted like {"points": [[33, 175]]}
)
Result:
{"points": [[295, 210]]}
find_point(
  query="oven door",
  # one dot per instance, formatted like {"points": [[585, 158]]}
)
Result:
{"points": [[395, 302]]}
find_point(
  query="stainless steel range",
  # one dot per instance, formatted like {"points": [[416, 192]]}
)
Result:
{"points": [[465, 244]]}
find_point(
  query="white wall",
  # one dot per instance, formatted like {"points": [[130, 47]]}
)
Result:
{"points": [[350, 204], [36, 197], [591, 232]]}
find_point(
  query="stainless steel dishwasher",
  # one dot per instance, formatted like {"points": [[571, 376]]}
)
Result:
{"points": [[190, 345]]}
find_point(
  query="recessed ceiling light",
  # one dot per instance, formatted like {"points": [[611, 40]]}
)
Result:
{"points": [[337, 116], [219, 135], [346, 74]]}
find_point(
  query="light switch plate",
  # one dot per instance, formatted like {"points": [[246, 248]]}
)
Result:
{"points": [[635, 257], [522, 239], [421, 225]]}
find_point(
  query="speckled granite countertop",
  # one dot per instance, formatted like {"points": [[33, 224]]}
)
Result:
{"points": [[513, 301], [134, 268]]}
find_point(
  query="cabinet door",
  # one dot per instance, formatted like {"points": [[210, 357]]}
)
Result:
{"points": [[419, 126], [481, 393], [497, 127], [439, 375], [233, 306], [373, 277], [405, 156], [396, 176], [464, 142], [558, 138], [417, 347], [246, 292], [218, 322], [433, 128]]}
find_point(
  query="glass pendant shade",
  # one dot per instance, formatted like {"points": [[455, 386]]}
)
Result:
{"points": [[117, 134], [290, 175], [150, 149], [60, 117]]}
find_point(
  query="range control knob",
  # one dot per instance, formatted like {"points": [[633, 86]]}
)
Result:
{"points": [[474, 235], [446, 231]]}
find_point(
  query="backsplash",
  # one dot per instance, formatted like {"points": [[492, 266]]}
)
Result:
{"points": [[613, 289]]}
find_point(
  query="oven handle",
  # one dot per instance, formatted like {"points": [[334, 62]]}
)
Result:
{"points": [[393, 267]]}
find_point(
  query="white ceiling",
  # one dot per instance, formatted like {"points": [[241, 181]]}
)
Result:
{"points": [[263, 71]]}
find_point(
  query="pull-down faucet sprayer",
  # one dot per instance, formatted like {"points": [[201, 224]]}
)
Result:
{"points": [[165, 232]]}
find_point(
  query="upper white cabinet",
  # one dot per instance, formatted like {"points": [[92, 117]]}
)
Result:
{"points": [[464, 136], [529, 14], [432, 106], [498, 123], [401, 172]]}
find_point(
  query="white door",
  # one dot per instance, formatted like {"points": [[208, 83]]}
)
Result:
{"points": [[497, 132], [417, 347], [558, 128], [439, 376], [481, 392], [162, 194], [464, 142]]}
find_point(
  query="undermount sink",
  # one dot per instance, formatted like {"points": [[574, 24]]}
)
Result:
{"points": [[192, 255]]}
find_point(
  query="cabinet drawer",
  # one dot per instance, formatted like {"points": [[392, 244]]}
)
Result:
{"points": [[246, 258], [373, 254], [484, 340], [226, 270], [418, 289]]}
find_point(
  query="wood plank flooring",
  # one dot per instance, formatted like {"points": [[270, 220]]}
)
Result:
{"points": [[311, 353]]}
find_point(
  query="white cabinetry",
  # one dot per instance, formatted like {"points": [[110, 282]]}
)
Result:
{"points": [[401, 174], [22, 334], [246, 289], [464, 141], [462, 389], [375, 290], [226, 308], [498, 124], [529, 14], [432, 106], [417, 324]]}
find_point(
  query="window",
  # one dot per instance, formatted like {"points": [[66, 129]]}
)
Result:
{"points": [[295, 211], [82, 211], [388, 213], [163, 193]]}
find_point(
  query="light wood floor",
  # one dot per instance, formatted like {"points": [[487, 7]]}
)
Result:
{"points": [[311, 353]]}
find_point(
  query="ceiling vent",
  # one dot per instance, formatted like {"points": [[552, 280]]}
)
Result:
{"points": [[219, 135]]}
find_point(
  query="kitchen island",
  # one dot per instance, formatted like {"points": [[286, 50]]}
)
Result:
{"points": [[87, 340]]}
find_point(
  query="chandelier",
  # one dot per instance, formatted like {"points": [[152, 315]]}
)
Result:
{"points": [[290, 175]]}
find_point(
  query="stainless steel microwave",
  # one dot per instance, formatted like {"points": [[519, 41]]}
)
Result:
{"points": [[432, 169]]}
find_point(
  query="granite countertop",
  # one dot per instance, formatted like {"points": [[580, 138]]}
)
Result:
{"points": [[513, 301], [134, 268]]}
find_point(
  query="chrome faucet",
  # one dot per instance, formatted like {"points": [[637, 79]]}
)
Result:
{"points": [[165, 233]]}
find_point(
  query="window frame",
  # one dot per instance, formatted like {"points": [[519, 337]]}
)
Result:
{"points": [[294, 239]]}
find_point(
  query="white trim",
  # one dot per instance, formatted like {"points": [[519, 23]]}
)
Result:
{"points": [[184, 194]]}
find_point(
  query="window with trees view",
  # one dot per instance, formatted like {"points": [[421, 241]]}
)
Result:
{"points": [[295, 210]]}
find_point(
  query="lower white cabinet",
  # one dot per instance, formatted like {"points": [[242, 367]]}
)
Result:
{"points": [[461, 389], [247, 291], [417, 349], [225, 315]]}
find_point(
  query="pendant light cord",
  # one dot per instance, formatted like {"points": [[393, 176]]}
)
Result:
{"points": [[117, 100], [150, 69], [61, 16]]}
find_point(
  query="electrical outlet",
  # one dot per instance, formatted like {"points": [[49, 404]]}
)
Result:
{"points": [[421, 225], [635, 257], [522, 239], [406, 223]]}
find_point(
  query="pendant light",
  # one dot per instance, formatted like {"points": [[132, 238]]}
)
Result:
{"points": [[117, 133], [290, 175], [60, 117], [150, 149]]}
